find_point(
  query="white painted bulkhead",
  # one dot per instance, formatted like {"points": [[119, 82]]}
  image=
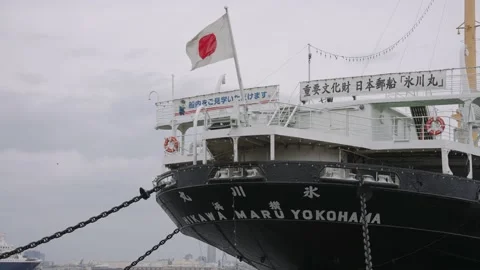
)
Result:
{"points": [[292, 152], [369, 122], [313, 130]]}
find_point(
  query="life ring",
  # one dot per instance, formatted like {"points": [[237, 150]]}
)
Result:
{"points": [[171, 144], [435, 125]]}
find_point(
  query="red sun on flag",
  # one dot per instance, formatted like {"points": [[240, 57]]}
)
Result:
{"points": [[207, 45]]}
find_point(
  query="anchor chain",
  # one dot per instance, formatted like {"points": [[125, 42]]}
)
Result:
{"points": [[146, 254], [366, 235], [143, 195]]}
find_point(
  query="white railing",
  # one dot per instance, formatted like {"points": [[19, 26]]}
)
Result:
{"points": [[456, 84], [375, 129], [186, 145], [165, 112], [186, 149], [397, 129], [343, 122]]}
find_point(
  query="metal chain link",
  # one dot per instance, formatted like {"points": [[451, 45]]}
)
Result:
{"points": [[366, 235], [143, 195], [162, 242]]}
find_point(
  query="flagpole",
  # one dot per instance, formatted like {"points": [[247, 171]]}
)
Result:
{"points": [[237, 67]]}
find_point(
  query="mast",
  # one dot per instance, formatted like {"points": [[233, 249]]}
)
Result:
{"points": [[470, 44]]}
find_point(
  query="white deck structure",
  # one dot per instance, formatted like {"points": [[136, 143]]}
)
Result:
{"points": [[382, 124]]}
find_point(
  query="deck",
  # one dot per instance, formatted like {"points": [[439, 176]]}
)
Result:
{"points": [[394, 121]]}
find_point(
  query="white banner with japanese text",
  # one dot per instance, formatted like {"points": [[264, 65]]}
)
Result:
{"points": [[373, 84], [225, 100]]}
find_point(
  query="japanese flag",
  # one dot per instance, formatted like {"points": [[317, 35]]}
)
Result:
{"points": [[211, 45]]}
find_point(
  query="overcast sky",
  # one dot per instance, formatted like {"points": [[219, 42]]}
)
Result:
{"points": [[74, 84]]}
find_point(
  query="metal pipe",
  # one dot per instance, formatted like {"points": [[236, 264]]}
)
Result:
{"points": [[235, 149], [195, 123], [272, 147]]}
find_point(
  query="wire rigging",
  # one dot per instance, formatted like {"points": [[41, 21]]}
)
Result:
{"points": [[381, 36], [388, 49], [282, 65], [406, 45], [438, 33]]}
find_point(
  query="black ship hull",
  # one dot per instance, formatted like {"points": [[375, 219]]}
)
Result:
{"points": [[293, 219], [26, 265]]}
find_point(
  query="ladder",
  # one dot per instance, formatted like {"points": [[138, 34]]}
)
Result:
{"points": [[420, 117]]}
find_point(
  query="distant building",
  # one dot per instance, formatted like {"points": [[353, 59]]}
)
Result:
{"points": [[33, 254], [211, 254]]}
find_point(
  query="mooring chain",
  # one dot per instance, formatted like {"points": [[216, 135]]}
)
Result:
{"points": [[143, 195], [146, 254], [366, 235]]}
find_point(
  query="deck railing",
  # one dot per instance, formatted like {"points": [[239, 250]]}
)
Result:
{"points": [[395, 129], [344, 122], [375, 129], [456, 84]]}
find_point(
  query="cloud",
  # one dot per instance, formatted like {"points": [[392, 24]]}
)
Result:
{"points": [[30, 78], [84, 52], [74, 90], [136, 53], [56, 189]]}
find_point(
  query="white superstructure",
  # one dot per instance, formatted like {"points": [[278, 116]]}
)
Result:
{"points": [[395, 112], [17, 258]]}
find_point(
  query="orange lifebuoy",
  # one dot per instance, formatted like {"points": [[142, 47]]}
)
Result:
{"points": [[171, 144], [435, 125]]}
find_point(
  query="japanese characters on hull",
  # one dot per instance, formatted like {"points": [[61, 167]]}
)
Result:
{"points": [[373, 84], [225, 100], [219, 210]]}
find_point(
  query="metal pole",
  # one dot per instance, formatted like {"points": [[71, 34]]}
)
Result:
{"points": [[237, 67], [272, 146], [309, 59], [195, 123], [174, 129], [309, 68]]}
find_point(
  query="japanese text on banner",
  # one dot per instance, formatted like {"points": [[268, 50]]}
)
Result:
{"points": [[375, 84], [225, 100]]}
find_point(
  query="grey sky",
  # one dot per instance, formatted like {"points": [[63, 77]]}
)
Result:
{"points": [[74, 82]]}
